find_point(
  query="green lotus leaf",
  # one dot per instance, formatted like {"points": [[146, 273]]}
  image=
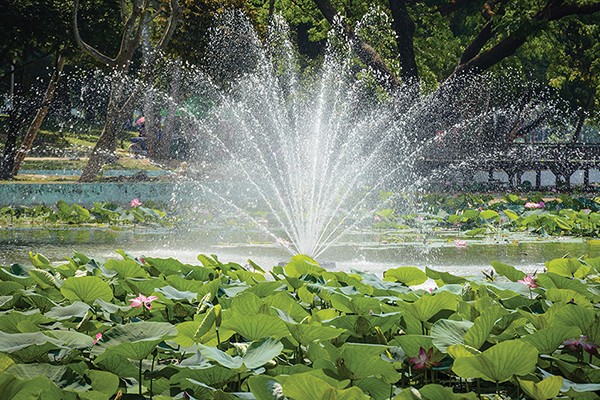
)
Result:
{"points": [[126, 268], [111, 308], [5, 362], [220, 357], [569, 267], [39, 260], [36, 388], [118, 365], [444, 277], [445, 333], [266, 289], [483, 325], [171, 293], [408, 276], [411, 344], [547, 340], [103, 382], [213, 375], [86, 289], [499, 363], [307, 386], [488, 214], [44, 278], [508, 271], [429, 305], [409, 393], [211, 288], [261, 352], [246, 303], [12, 342], [374, 387], [439, 392], [551, 280], [135, 340], [207, 322], [12, 321], [308, 333], [573, 315], [72, 339], [23, 280], [301, 264], [6, 300], [254, 327], [143, 285], [265, 388], [567, 296], [548, 388], [286, 302], [358, 361], [77, 309], [186, 285]]}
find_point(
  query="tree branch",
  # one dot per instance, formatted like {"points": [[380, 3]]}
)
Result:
{"points": [[111, 62], [172, 24], [405, 29], [552, 11], [364, 51]]}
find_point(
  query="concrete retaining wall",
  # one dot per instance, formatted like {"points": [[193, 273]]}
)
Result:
{"points": [[88, 193]]}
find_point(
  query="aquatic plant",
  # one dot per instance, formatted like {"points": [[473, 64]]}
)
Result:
{"points": [[216, 330]]}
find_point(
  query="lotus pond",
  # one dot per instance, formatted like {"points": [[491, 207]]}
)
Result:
{"points": [[159, 328]]}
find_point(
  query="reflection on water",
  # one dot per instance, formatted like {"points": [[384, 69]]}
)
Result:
{"points": [[234, 244]]}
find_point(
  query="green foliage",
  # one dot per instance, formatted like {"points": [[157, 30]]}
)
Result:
{"points": [[216, 329], [76, 214]]}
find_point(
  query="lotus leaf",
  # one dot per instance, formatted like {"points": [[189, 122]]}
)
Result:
{"points": [[445, 333], [508, 271], [254, 327], [135, 341], [301, 264], [547, 340], [439, 392], [309, 387], [77, 309], [570, 267], [86, 289], [483, 325], [408, 276], [548, 388], [499, 363], [429, 305]]}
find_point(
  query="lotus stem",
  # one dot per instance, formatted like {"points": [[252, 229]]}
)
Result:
{"points": [[140, 378]]}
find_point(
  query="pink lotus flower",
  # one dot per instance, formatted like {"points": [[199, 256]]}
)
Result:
{"points": [[142, 300], [581, 343], [423, 360], [98, 337], [135, 203], [529, 281], [460, 244], [376, 218], [531, 205]]}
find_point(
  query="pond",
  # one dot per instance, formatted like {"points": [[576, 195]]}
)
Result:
{"points": [[365, 251]]}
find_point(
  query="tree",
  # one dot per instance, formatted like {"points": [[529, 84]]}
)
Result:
{"points": [[135, 18], [29, 44]]}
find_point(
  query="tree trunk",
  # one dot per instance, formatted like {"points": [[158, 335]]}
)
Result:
{"points": [[39, 116], [405, 29], [106, 145], [170, 124], [15, 122], [582, 115]]}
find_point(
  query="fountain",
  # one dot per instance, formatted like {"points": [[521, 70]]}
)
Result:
{"points": [[304, 156], [313, 153]]}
